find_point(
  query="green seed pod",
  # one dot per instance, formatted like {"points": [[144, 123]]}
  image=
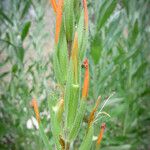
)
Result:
{"points": [[87, 142]]}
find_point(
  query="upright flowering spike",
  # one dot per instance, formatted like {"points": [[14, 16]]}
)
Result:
{"points": [[86, 79], [34, 104], [85, 14], [54, 5], [59, 19], [75, 55], [92, 114], [103, 126]]}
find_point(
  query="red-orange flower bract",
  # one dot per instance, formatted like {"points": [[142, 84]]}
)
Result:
{"points": [[85, 13], [54, 5], [36, 110], [86, 79], [103, 126], [58, 19]]}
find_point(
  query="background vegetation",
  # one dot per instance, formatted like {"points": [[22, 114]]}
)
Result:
{"points": [[119, 62]]}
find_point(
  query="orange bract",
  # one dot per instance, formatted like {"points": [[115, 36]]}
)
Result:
{"points": [[58, 19], [103, 126], [36, 110], [85, 13], [86, 79], [54, 5]]}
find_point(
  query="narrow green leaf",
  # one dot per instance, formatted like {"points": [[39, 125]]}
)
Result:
{"points": [[56, 66], [25, 30], [87, 141], [84, 45], [4, 62], [69, 18], [4, 74], [78, 120], [134, 33], [20, 54], [96, 48], [80, 31], [55, 127], [14, 68], [63, 59], [105, 12], [26, 8], [69, 93], [126, 5], [73, 104], [44, 137], [3, 130], [122, 147], [4, 16]]}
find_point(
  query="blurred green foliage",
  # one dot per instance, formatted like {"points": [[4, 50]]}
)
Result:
{"points": [[22, 76], [119, 51], [119, 62]]}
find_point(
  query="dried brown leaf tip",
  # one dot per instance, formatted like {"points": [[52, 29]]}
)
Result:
{"points": [[62, 142], [92, 114], [64, 145], [103, 126], [54, 5], [58, 19], [34, 104], [86, 79], [85, 14]]}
